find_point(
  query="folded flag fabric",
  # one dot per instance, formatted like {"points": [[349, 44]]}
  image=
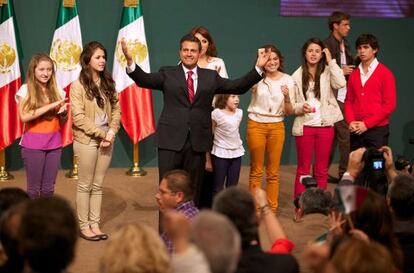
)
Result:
{"points": [[350, 197]]}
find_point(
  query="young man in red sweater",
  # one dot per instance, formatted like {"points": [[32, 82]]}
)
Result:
{"points": [[371, 97]]}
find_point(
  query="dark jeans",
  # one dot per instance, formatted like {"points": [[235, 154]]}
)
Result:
{"points": [[375, 137], [41, 170], [225, 170], [342, 140]]}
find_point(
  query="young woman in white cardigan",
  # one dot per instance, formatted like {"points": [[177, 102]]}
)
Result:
{"points": [[316, 111]]}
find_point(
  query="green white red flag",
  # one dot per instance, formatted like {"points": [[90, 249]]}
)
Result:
{"points": [[65, 52], [136, 102], [10, 77]]}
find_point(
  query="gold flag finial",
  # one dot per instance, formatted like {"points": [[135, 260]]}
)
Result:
{"points": [[69, 3], [3, 2], [131, 3]]}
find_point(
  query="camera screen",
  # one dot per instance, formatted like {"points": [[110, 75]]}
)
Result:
{"points": [[378, 164]]}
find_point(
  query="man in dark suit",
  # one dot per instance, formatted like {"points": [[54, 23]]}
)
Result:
{"points": [[184, 132]]}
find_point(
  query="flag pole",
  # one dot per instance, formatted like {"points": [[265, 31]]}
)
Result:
{"points": [[136, 170], [73, 173], [4, 175]]}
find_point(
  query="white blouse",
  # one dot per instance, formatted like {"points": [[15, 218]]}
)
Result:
{"points": [[267, 101], [227, 142]]}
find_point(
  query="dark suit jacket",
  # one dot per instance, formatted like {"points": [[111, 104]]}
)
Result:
{"points": [[334, 47], [179, 117]]}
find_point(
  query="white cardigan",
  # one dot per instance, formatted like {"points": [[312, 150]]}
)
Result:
{"points": [[331, 78]]}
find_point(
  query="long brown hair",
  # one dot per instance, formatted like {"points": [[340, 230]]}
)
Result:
{"points": [[306, 76], [375, 219], [221, 101], [35, 97], [211, 50], [107, 83]]}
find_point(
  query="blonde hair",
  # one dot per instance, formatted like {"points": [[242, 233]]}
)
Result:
{"points": [[35, 98], [135, 248]]}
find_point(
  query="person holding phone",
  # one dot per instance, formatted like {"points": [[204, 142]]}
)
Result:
{"points": [[316, 110]]}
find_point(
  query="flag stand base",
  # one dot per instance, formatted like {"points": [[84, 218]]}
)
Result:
{"points": [[4, 175], [136, 171], [73, 173]]}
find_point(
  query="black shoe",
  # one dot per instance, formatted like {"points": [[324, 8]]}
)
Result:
{"points": [[332, 179], [103, 236], [94, 238]]}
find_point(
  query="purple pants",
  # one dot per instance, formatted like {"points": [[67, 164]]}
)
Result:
{"points": [[41, 170]]}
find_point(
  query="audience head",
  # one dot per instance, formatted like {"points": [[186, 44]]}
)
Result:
{"points": [[238, 205], [175, 188], [276, 59], [312, 55], [339, 22], [374, 218], [208, 47], [135, 248], [315, 200], [12, 204], [219, 240], [10, 197], [401, 197], [190, 48], [356, 256], [48, 234]]}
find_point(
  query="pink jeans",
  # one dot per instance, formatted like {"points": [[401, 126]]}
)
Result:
{"points": [[316, 140]]}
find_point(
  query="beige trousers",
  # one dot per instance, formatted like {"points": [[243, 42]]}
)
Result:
{"points": [[93, 162]]}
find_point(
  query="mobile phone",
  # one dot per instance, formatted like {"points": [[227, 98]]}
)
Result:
{"points": [[378, 164]]}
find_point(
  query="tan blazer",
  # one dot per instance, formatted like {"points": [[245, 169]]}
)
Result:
{"points": [[83, 115], [331, 78]]}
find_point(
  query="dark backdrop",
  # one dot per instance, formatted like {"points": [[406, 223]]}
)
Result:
{"points": [[239, 28]]}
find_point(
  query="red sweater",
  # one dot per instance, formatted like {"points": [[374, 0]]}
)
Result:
{"points": [[374, 102]]}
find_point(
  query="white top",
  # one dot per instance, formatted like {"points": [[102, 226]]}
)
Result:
{"points": [[371, 68], [227, 142], [218, 65], [22, 93], [313, 118], [267, 101]]}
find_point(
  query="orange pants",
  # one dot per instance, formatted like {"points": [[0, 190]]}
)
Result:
{"points": [[265, 138]]}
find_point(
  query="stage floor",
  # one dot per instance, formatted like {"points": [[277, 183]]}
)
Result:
{"points": [[127, 199]]}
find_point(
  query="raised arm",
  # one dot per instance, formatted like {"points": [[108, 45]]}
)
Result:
{"points": [[139, 76]]}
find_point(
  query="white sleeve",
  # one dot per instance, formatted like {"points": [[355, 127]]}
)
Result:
{"points": [[22, 93], [215, 115], [223, 70]]}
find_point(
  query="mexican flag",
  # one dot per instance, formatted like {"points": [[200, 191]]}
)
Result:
{"points": [[136, 102], [65, 51], [10, 77], [351, 197]]}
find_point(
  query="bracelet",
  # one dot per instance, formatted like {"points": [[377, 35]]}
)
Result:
{"points": [[264, 209]]}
